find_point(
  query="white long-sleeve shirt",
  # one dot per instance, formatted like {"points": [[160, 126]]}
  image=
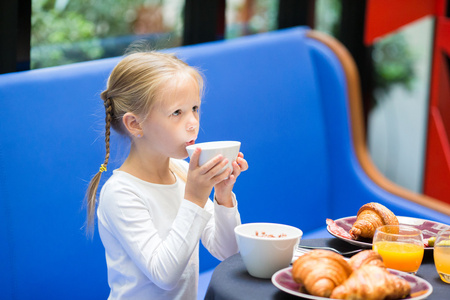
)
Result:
{"points": [[151, 237]]}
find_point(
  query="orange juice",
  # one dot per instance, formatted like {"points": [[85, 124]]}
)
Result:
{"points": [[400, 256], [442, 262]]}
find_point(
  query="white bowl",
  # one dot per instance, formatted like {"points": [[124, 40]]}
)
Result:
{"points": [[229, 149], [263, 256]]}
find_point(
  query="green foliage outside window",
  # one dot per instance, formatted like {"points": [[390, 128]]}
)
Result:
{"points": [[67, 31], [393, 63]]}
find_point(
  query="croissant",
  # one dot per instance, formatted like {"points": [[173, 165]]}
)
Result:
{"points": [[371, 216], [366, 257], [371, 283], [320, 271]]}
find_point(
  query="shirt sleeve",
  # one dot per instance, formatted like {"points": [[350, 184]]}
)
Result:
{"points": [[162, 260], [218, 236]]}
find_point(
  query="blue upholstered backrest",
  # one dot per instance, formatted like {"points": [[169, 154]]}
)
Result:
{"points": [[48, 154], [281, 94], [267, 97]]}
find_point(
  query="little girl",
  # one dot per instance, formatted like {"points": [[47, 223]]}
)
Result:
{"points": [[154, 209]]}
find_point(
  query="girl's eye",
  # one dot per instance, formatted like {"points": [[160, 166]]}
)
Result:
{"points": [[177, 112], [195, 108]]}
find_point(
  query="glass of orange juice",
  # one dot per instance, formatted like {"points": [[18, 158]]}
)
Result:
{"points": [[442, 255], [400, 246]]}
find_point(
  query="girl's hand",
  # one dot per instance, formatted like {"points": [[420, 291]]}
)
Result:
{"points": [[224, 188], [201, 179]]}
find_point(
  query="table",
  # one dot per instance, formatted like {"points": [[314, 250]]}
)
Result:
{"points": [[230, 280]]}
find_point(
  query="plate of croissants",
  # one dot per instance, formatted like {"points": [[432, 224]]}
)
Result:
{"points": [[323, 274], [360, 229]]}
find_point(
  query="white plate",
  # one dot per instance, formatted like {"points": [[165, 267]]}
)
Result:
{"points": [[429, 229], [420, 288]]}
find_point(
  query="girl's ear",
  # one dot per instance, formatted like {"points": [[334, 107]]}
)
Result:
{"points": [[131, 123]]}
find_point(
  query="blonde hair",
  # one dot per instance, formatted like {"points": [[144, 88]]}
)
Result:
{"points": [[134, 86]]}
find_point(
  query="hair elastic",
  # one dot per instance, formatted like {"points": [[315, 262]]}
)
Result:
{"points": [[102, 168]]}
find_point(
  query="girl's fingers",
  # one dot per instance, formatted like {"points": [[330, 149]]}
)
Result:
{"points": [[231, 180], [236, 168], [193, 164], [224, 175], [229, 176], [214, 165], [242, 163], [216, 169]]}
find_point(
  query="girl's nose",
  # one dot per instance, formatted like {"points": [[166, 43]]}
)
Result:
{"points": [[192, 123], [191, 127]]}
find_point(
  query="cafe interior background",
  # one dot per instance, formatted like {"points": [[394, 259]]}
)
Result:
{"points": [[395, 68], [396, 65]]}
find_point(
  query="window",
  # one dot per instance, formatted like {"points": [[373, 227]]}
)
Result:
{"points": [[244, 17], [68, 31], [58, 32]]}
